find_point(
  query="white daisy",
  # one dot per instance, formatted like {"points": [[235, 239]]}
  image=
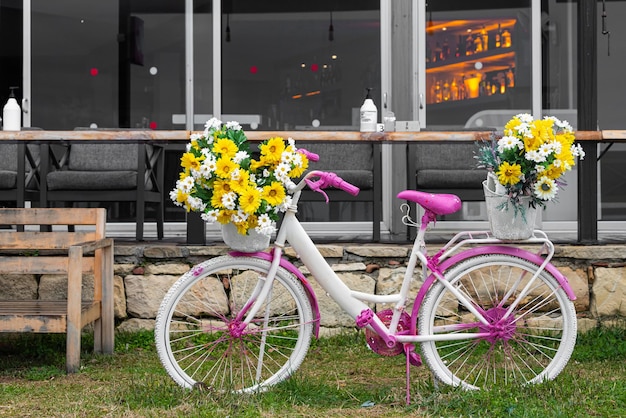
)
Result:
{"points": [[185, 185], [509, 142], [545, 150], [196, 204], [213, 123], [229, 200], [240, 156], [577, 151], [286, 157], [545, 188], [535, 156], [235, 126], [174, 197], [210, 216]]}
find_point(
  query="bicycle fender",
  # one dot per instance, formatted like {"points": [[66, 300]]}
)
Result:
{"points": [[287, 265], [457, 258]]}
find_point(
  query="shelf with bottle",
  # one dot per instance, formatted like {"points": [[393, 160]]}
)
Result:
{"points": [[454, 41], [470, 85]]}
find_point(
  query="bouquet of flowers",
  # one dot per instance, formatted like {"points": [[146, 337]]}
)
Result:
{"points": [[222, 180], [530, 158]]}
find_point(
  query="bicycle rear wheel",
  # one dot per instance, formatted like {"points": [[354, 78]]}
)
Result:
{"points": [[532, 345], [198, 335]]}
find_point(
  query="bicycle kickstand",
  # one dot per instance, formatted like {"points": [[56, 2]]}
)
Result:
{"points": [[412, 359]]}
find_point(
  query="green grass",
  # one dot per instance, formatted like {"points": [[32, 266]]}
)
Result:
{"points": [[339, 378]]}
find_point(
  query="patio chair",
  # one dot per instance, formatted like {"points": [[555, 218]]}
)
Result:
{"points": [[18, 188], [105, 172], [357, 163]]}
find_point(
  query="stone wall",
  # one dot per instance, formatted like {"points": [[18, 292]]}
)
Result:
{"points": [[144, 273]]}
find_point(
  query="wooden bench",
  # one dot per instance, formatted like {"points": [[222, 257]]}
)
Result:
{"points": [[74, 254]]}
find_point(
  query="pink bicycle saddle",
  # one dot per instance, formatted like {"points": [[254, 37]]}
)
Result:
{"points": [[439, 204]]}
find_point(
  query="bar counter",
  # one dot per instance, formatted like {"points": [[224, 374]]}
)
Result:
{"points": [[587, 188]]}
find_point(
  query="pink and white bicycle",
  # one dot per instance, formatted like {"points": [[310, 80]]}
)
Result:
{"points": [[488, 312]]}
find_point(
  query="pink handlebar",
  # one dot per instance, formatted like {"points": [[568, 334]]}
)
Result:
{"points": [[311, 156], [328, 179]]}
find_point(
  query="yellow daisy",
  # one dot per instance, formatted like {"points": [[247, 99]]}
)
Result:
{"points": [[224, 167], [250, 200], [274, 194], [242, 182], [190, 161], [225, 147], [298, 171], [273, 149], [181, 197], [222, 186], [224, 216], [509, 173]]}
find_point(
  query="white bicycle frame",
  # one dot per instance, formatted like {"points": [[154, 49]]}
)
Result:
{"points": [[353, 302]]}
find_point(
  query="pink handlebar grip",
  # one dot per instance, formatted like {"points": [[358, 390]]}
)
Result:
{"points": [[328, 179], [346, 187], [311, 156]]}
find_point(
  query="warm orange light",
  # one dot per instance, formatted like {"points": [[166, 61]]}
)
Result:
{"points": [[472, 84], [313, 93], [297, 96]]}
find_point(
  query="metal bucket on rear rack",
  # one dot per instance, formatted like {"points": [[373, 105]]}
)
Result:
{"points": [[505, 221]]}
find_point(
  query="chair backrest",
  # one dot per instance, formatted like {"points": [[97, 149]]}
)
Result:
{"points": [[445, 156], [8, 156], [338, 155], [103, 157], [352, 162], [8, 166], [93, 220]]}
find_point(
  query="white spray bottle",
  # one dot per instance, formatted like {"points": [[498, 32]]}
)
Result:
{"points": [[369, 114], [11, 114]]}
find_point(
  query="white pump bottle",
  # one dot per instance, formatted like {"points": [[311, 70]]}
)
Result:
{"points": [[11, 114], [369, 114]]}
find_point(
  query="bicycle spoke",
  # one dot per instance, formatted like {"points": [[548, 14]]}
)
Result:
{"points": [[530, 344], [201, 339]]}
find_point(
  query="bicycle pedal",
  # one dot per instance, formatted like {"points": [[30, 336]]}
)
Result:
{"points": [[364, 318], [415, 359]]}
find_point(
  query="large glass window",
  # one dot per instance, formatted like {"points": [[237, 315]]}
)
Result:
{"points": [[74, 64], [478, 63], [304, 66]]}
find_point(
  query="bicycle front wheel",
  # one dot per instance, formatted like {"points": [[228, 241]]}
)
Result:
{"points": [[532, 344], [199, 334]]}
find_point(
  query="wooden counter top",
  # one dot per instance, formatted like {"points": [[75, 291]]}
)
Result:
{"points": [[183, 136]]}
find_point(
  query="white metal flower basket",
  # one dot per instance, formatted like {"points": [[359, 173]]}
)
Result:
{"points": [[250, 243], [505, 222]]}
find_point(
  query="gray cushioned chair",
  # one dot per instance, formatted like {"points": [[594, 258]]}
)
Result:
{"points": [[106, 172], [358, 164], [13, 160], [444, 167]]}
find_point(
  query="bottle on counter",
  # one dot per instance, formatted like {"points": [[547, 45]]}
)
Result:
{"points": [[11, 113], [369, 114]]}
